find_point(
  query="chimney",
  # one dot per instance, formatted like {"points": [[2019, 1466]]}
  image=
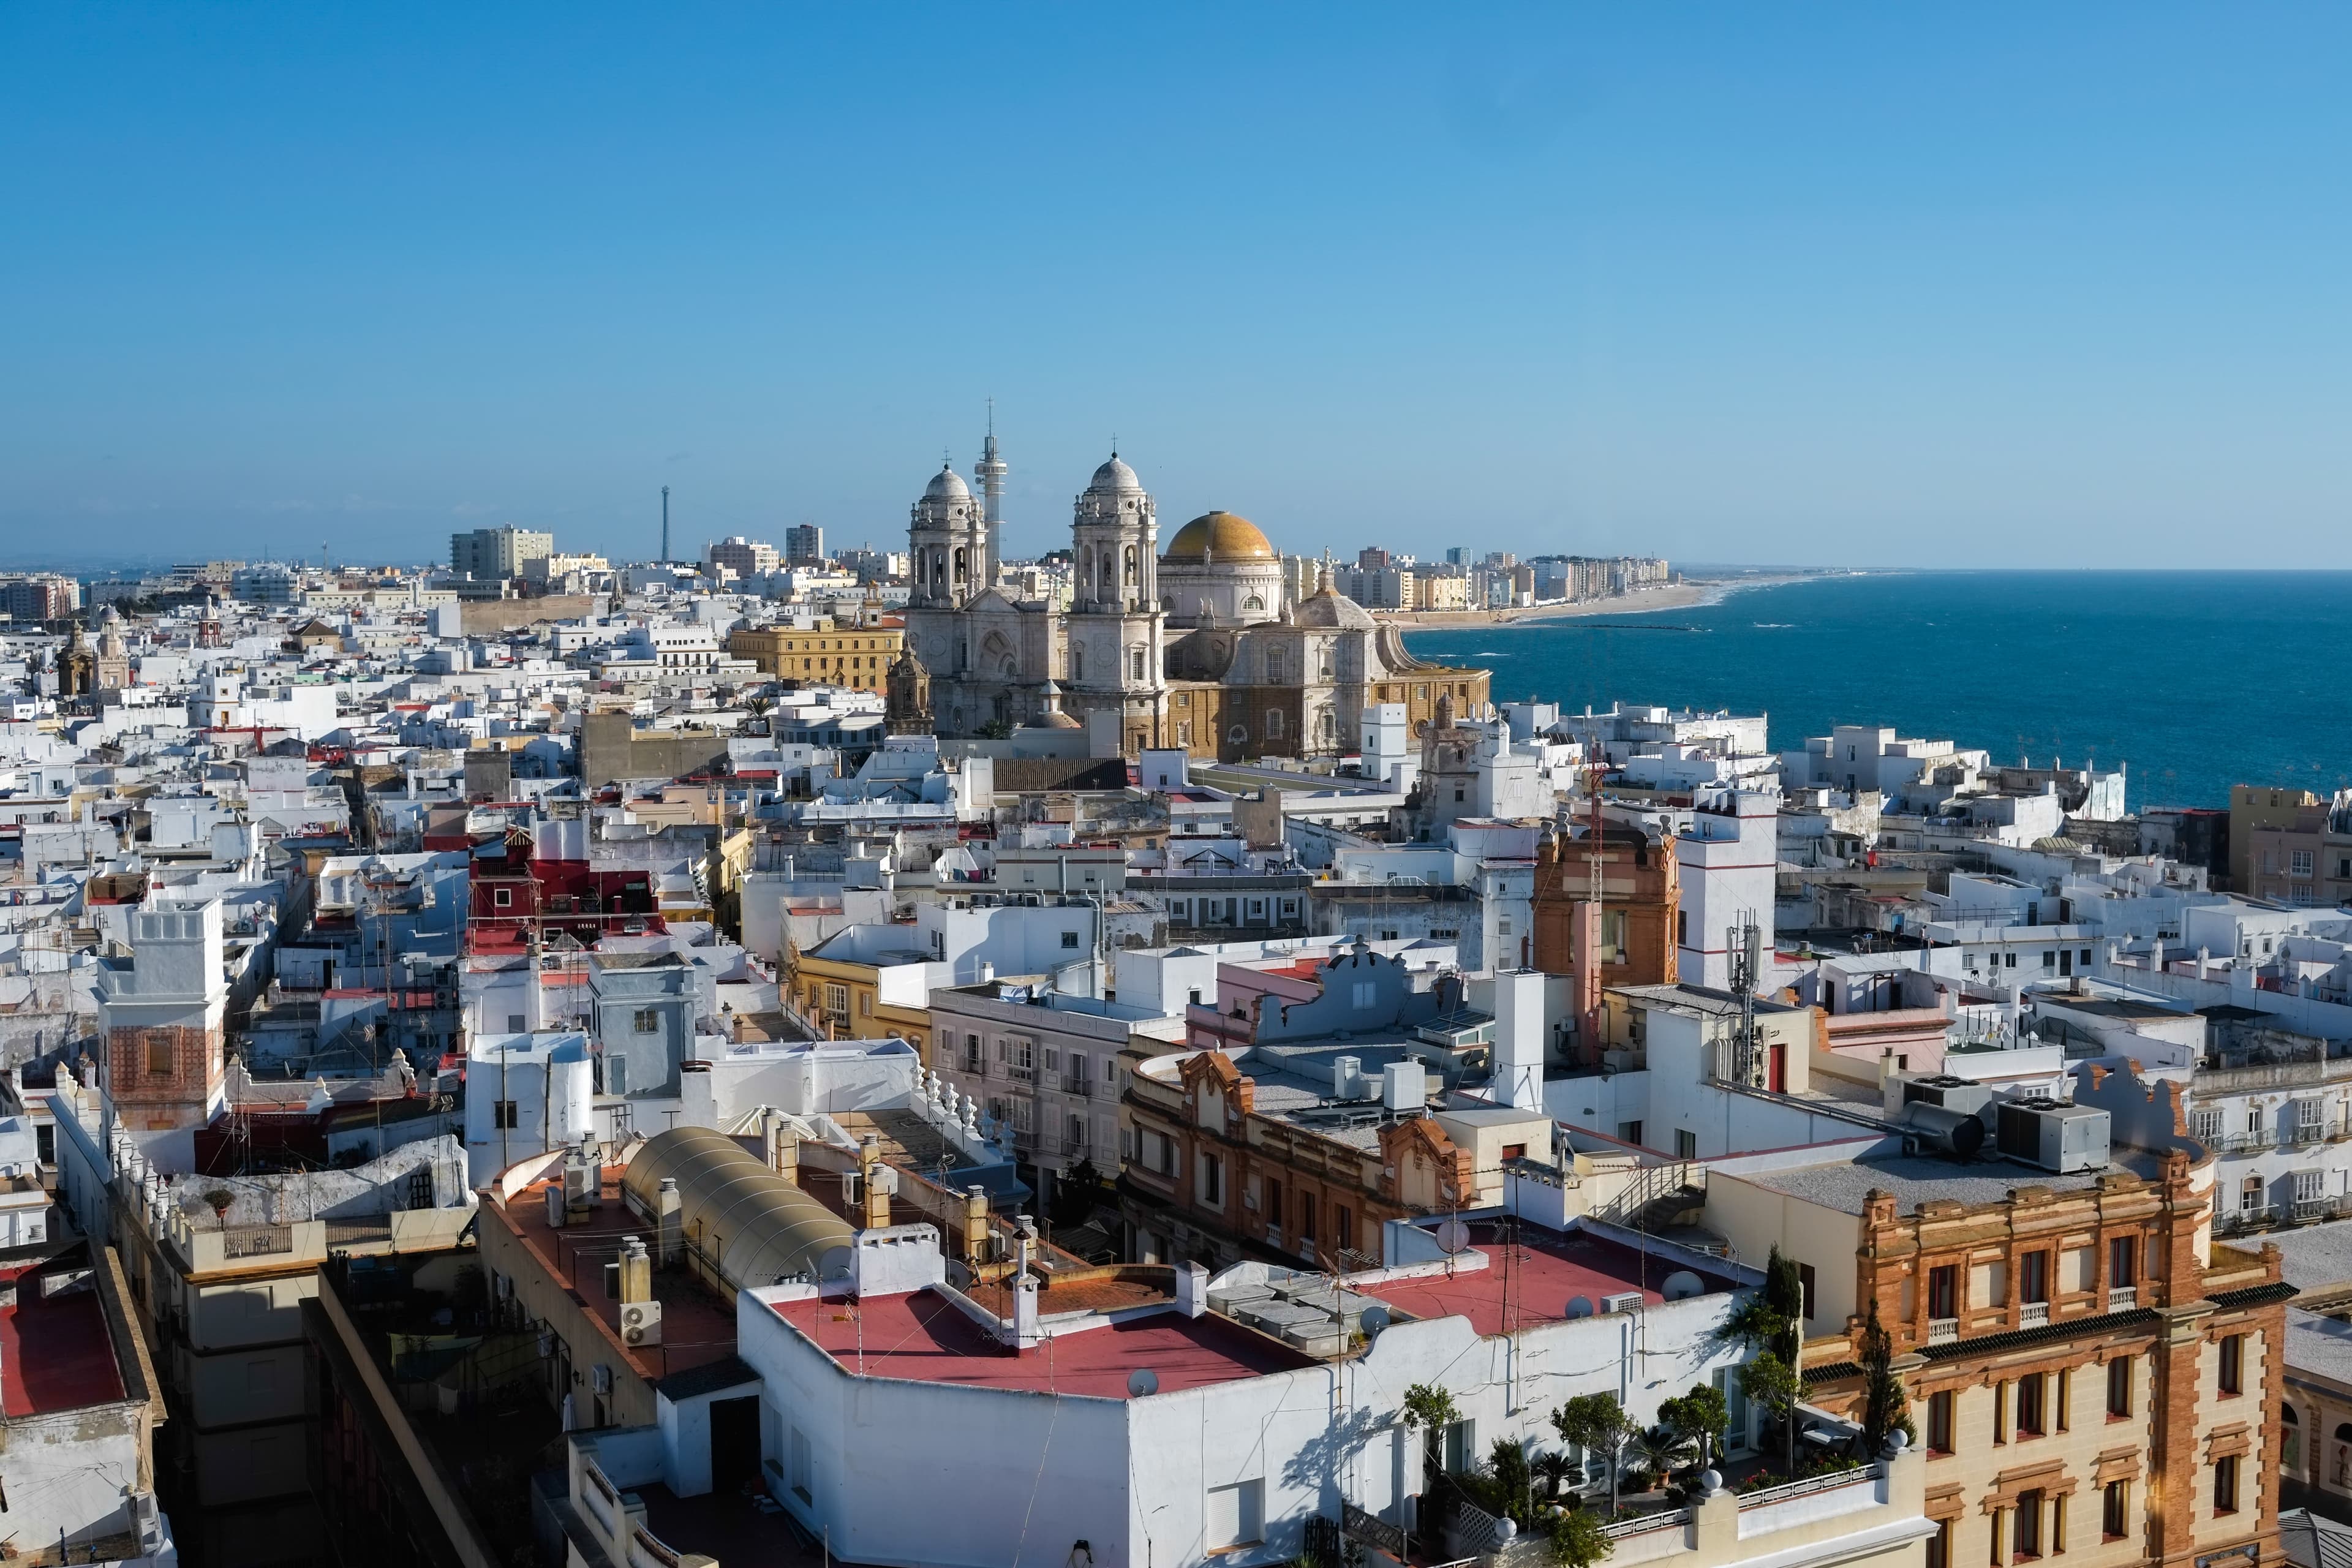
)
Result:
{"points": [[874, 1182], [975, 1225], [637, 1271], [669, 1214], [1191, 1289], [784, 1152], [1519, 1038], [1027, 1333]]}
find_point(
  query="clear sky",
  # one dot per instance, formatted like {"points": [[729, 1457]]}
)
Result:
{"points": [[1978, 285]]}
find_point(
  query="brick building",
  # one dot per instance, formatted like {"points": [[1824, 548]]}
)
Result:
{"points": [[2090, 1374]]}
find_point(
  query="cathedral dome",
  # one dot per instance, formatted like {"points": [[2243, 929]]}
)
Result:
{"points": [[1114, 475], [1333, 612], [1220, 536], [947, 484]]}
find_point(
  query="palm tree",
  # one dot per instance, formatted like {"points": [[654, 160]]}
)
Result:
{"points": [[1552, 1467], [1661, 1448]]}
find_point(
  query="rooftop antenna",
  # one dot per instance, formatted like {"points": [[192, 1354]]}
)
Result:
{"points": [[665, 525]]}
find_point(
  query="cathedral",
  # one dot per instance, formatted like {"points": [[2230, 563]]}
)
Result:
{"points": [[1201, 647]]}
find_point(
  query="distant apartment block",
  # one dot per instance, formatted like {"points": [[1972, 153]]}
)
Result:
{"points": [[496, 553], [744, 557], [805, 546]]}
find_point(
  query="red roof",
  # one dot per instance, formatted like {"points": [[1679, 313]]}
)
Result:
{"points": [[54, 1353], [924, 1339], [1543, 1276]]}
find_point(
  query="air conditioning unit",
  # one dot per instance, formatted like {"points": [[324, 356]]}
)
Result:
{"points": [[600, 1378], [2055, 1137], [556, 1206], [1624, 1301], [1951, 1093], [641, 1323]]}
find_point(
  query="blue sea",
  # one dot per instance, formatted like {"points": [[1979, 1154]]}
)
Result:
{"points": [[2195, 681]]}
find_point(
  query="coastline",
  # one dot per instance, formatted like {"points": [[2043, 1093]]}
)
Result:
{"points": [[1677, 597]]}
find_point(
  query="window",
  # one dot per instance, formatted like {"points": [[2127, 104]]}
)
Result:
{"points": [[2250, 1196], [2033, 1276], [1939, 1545], [2225, 1484], [1685, 1144], [2026, 1539], [1940, 1422], [420, 1188], [2030, 1391], [159, 1057], [2115, 1510], [1235, 1515], [2000, 1411], [2123, 1261], [2290, 1439], [502, 897], [2233, 1363], [2119, 1387], [514, 1023], [503, 1113], [647, 1020], [2064, 1401], [1306, 1216], [1943, 1291], [1069, 939], [1343, 1229], [1210, 1173], [974, 1059], [1805, 1278], [2300, 864]]}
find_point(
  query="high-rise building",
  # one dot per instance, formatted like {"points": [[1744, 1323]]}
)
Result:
{"points": [[805, 545], [41, 597], [496, 553], [745, 557]]}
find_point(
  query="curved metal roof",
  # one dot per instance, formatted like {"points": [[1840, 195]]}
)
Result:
{"points": [[761, 1229]]}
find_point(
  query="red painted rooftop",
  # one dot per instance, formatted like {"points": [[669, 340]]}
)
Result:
{"points": [[54, 1353], [924, 1337], [1542, 1274]]}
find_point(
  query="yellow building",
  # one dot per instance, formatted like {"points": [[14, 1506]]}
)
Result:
{"points": [[863, 983], [830, 655]]}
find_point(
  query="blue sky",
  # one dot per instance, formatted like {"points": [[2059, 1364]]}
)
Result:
{"points": [[1870, 285]]}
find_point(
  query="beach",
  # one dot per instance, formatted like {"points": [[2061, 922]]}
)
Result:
{"points": [[1676, 597]]}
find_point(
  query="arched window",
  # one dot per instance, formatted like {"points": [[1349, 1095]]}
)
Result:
{"points": [[2291, 1440], [958, 565], [1237, 734], [1130, 565], [1252, 602]]}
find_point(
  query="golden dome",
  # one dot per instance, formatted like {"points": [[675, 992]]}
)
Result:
{"points": [[1220, 536]]}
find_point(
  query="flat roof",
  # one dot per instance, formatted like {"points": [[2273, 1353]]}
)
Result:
{"points": [[1542, 1271], [55, 1352], [696, 1327], [1913, 1179], [925, 1338], [2315, 1257]]}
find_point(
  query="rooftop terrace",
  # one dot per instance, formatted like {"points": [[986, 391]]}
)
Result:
{"points": [[1534, 1278], [925, 1338], [55, 1352]]}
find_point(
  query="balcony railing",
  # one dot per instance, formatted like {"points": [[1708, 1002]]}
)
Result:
{"points": [[2033, 1314], [1943, 1331], [1078, 1086], [2122, 1297], [2248, 1142], [255, 1240]]}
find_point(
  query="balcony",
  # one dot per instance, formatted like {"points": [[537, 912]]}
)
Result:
{"points": [[1077, 1088], [1943, 1331], [2033, 1314], [2253, 1143], [2122, 1297]]}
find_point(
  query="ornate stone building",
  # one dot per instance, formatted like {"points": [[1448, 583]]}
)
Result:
{"points": [[1201, 648]]}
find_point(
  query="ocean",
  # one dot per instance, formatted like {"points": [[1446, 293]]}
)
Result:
{"points": [[2194, 680]]}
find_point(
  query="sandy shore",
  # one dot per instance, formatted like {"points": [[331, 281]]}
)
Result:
{"points": [[1680, 596]]}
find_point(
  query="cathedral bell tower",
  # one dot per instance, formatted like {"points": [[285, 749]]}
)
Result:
{"points": [[1115, 659], [947, 543]]}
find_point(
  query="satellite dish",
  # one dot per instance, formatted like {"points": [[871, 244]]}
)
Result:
{"points": [[1681, 1285], [1143, 1381], [1580, 1306], [1453, 1236], [1374, 1320]]}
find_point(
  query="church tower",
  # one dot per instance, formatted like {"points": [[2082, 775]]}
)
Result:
{"points": [[947, 543], [1116, 623]]}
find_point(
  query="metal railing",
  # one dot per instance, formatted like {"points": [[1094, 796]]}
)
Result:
{"points": [[1619, 1529], [255, 1240]]}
